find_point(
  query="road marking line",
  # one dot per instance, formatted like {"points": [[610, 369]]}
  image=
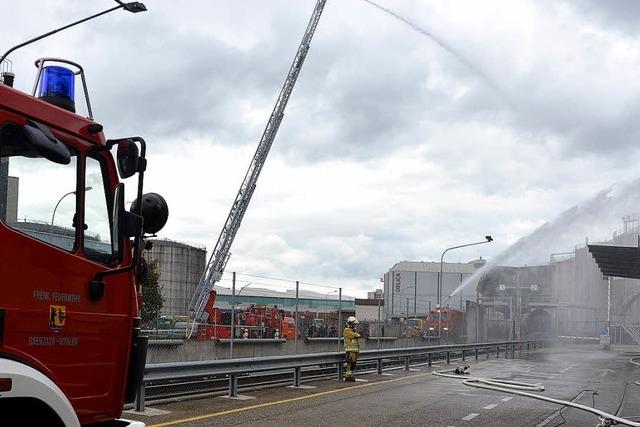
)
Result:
{"points": [[279, 402], [493, 405], [470, 416], [506, 399]]}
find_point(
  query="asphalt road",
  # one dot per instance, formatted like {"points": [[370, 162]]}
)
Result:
{"points": [[582, 373]]}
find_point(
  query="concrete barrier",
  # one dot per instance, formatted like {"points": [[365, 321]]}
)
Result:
{"points": [[192, 350]]}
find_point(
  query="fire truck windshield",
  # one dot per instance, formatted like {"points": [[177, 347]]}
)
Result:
{"points": [[38, 197]]}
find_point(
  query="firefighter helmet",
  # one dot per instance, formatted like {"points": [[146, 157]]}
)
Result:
{"points": [[352, 320]]}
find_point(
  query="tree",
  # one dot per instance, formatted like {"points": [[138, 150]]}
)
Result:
{"points": [[152, 292]]}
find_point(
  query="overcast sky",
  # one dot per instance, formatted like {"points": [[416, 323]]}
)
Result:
{"points": [[392, 148]]}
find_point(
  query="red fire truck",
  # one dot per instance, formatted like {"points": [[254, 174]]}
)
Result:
{"points": [[71, 352], [262, 320], [451, 322]]}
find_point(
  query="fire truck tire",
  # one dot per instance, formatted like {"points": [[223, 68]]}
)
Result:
{"points": [[28, 383]]}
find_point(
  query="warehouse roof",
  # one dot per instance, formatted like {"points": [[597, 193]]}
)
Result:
{"points": [[286, 293], [434, 267]]}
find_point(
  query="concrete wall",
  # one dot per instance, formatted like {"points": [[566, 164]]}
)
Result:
{"points": [[210, 350], [369, 312]]}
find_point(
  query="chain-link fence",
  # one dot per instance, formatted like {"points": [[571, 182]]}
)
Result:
{"points": [[252, 316]]}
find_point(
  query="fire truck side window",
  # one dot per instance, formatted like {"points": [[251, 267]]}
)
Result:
{"points": [[97, 235], [37, 196]]}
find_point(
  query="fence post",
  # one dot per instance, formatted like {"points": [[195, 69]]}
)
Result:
{"points": [[476, 354], [297, 329], [233, 314], [498, 352], [296, 377], [406, 363], [379, 366], [463, 359], [448, 356], [340, 371], [140, 398], [233, 385], [339, 331], [429, 359]]}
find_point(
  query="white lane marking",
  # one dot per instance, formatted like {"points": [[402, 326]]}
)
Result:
{"points": [[493, 405], [506, 399], [470, 416]]}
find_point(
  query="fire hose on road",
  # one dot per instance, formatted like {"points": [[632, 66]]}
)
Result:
{"points": [[516, 387]]}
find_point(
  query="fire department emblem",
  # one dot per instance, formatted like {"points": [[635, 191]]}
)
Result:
{"points": [[57, 316]]}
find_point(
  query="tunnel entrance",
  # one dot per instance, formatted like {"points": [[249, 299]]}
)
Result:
{"points": [[538, 324]]}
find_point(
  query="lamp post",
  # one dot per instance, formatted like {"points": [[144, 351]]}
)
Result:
{"points": [[487, 239], [133, 7], [57, 204]]}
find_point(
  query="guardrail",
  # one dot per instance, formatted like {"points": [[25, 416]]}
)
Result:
{"points": [[236, 367]]}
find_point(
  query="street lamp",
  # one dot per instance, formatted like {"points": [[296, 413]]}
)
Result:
{"points": [[133, 7], [487, 239], [57, 204]]}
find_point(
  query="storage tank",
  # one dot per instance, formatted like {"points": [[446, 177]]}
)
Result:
{"points": [[180, 266]]}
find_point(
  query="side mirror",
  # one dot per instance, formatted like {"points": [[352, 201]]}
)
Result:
{"points": [[125, 224], [128, 158], [40, 138]]}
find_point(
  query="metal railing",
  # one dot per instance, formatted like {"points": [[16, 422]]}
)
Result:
{"points": [[233, 368]]}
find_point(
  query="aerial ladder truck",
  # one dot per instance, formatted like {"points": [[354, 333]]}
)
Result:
{"points": [[203, 300]]}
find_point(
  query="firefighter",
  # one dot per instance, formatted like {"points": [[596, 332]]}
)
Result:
{"points": [[276, 335], [351, 348]]}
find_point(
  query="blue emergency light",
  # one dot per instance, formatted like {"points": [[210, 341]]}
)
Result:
{"points": [[57, 87]]}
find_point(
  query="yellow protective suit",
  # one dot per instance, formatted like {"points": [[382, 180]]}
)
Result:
{"points": [[351, 349]]}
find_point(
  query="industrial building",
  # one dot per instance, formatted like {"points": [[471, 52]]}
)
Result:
{"points": [[566, 297], [180, 266], [411, 287]]}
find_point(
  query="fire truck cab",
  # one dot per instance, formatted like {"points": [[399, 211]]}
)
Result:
{"points": [[71, 352]]}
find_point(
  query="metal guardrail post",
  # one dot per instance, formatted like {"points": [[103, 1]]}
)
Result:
{"points": [[233, 385], [429, 359], [448, 356], [463, 359], [340, 371], [476, 354], [379, 366], [406, 363], [140, 398], [296, 377], [498, 352]]}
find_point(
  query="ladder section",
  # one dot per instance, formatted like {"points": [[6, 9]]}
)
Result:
{"points": [[220, 254]]}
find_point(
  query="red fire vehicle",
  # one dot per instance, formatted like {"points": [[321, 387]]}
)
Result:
{"points": [[451, 322], [261, 320], [71, 352]]}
